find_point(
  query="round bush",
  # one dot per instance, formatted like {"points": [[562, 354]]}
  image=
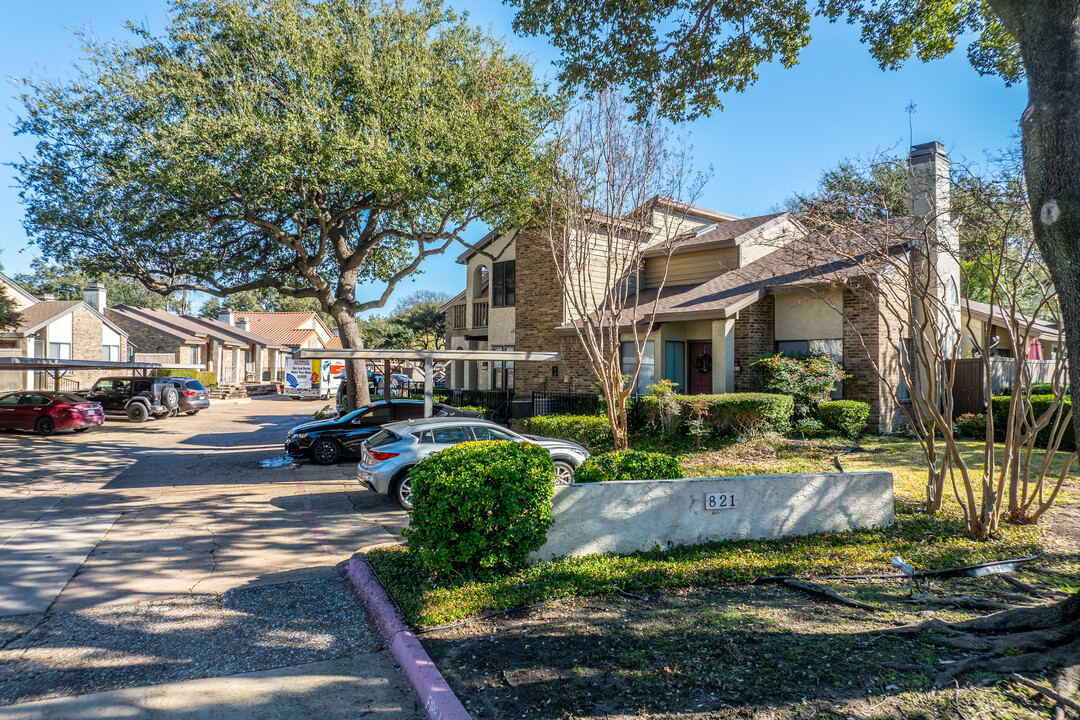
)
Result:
{"points": [[970, 425], [810, 427], [629, 465], [847, 417], [480, 507]]}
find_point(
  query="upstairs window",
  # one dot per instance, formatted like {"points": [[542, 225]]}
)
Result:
{"points": [[503, 284]]}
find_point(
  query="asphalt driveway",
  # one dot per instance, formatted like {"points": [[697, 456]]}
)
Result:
{"points": [[182, 549]]}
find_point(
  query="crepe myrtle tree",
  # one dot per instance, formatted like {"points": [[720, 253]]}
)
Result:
{"points": [[315, 147], [598, 222]]}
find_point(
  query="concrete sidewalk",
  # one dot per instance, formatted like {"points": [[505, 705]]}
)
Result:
{"points": [[367, 686]]}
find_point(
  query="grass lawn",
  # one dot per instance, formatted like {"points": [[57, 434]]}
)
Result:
{"points": [[684, 635], [927, 542]]}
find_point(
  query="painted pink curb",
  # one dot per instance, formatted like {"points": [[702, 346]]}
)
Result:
{"points": [[436, 697]]}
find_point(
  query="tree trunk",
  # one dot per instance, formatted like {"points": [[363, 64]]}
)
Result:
{"points": [[356, 374]]}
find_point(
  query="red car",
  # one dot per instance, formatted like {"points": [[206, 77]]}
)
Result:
{"points": [[47, 412]]}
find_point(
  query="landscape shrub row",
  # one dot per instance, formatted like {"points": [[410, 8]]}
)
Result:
{"points": [[731, 413], [1039, 405], [629, 465], [208, 379], [591, 431], [846, 417]]}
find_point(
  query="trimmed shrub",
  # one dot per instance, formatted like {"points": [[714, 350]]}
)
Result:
{"points": [[847, 417], [970, 425], [739, 413], [1039, 405], [1036, 388], [629, 465], [807, 378], [208, 379], [591, 431], [810, 427], [480, 507]]}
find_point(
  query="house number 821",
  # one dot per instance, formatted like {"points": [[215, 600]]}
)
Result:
{"points": [[720, 501]]}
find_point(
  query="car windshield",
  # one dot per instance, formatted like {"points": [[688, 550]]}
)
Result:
{"points": [[383, 437]]}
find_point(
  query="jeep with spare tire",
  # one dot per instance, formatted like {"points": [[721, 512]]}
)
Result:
{"points": [[138, 398]]}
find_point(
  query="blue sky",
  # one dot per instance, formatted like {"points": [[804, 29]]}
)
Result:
{"points": [[769, 142]]}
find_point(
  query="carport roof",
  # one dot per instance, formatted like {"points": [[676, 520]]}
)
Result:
{"points": [[25, 363]]}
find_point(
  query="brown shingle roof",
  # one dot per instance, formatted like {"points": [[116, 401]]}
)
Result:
{"points": [[41, 313], [726, 234]]}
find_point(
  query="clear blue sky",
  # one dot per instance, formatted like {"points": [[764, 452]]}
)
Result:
{"points": [[769, 142]]}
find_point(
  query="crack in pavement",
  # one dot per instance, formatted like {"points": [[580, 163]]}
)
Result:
{"points": [[214, 545]]}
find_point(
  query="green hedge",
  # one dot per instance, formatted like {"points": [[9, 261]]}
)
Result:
{"points": [[629, 465], [480, 507], [591, 431], [739, 413], [209, 379], [847, 417], [1039, 405]]}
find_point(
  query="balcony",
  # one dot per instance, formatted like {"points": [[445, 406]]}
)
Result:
{"points": [[459, 317], [480, 314]]}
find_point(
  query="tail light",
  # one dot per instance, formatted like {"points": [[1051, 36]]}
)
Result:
{"points": [[190, 393], [380, 456]]}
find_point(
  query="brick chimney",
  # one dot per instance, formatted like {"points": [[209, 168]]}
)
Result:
{"points": [[225, 315], [94, 296]]}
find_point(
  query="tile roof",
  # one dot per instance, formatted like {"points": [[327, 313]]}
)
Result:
{"points": [[244, 336], [167, 323], [731, 233], [283, 327], [41, 313], [334, 342]]}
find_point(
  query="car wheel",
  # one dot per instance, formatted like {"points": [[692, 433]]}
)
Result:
{"points": [[564, 473], [45, 426], [325, 451], [402, 492], [137, 413], [172, 413]]}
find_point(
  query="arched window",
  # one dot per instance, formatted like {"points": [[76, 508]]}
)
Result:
{"points": [[951, 295]]}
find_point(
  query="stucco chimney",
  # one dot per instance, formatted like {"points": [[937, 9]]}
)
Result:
{"points": [[225, 315], [94, 296], [242, 322]]}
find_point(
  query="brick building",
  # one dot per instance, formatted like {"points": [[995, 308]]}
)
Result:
{"points": [[60, 329]]}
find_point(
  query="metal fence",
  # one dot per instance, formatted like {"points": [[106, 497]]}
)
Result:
{"points": [[556, 403]]}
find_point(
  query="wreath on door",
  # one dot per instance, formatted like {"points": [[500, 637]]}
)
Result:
{"points": [[703, 363]]}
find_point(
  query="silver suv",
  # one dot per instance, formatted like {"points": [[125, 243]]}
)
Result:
{"points": [[387, 456]]}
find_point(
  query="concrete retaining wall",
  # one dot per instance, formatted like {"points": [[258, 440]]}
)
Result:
{"points": [[627, 516]]}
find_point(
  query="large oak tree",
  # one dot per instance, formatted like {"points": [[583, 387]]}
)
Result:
{"points": [[302, 145]]}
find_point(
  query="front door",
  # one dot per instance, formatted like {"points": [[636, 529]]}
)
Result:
{"points": [[699, 357]]}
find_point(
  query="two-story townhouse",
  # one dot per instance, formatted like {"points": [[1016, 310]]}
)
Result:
{"points": [[733, 290]]}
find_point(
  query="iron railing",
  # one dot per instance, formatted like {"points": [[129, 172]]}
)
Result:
{"points": [[480, 314], [558, 403]]}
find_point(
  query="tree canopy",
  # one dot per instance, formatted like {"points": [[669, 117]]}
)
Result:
{"points": [[263, 300], [303, 145], [66, 282], [683, 54], [417, 322]]}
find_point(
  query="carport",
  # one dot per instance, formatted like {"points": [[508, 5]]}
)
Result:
{"points": [[428, 357], [56, 368]]}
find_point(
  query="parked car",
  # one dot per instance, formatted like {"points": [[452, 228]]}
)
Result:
{"points": [[136, 397], [389, 455], [192, 395], [47, 412], [327, 441]]}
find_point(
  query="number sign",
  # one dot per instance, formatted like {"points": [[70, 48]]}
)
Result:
{"points": [[720, 501]]}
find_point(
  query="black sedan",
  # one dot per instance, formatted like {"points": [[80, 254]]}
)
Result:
{"points": [[327, 441]]}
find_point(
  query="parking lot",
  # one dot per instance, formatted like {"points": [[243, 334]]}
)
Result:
{"points": [[186, 524]]}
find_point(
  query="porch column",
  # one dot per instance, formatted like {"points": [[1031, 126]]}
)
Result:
{"points": [[219, 363], [238, 367], [259, 350], [723, 356]]}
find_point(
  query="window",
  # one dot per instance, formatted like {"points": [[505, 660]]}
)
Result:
{"points": [[628, 360], [409, 411], [675, 363], [951, 295], [503, 283], [482, 432], [375, 416], [444, 436], [9, 400], [110, 353], [34, 400], [834, 348], [902, 390], [502, 371], [61, 351]]}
